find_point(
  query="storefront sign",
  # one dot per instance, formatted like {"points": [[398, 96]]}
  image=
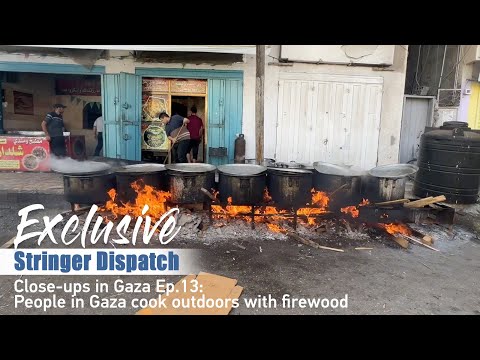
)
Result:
{"points": [[155, 85], [24, 153], [83, 87], [184, 86]]}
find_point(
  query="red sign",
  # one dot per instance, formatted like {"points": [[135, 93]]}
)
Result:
{"points": [[24, 153], [80, 87]]}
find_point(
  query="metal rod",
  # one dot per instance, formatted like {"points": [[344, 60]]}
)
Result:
{"points": [[253, 217], [295, 218]]}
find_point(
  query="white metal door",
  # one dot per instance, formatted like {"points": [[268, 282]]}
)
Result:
{"points": [[417, 114], [331, 118]]}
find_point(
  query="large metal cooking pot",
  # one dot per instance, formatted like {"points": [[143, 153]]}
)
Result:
{"points": [[154, 175], [244, 183], [88, 184], [290, 188], [185, 181], [344, 181], [387, 182]]}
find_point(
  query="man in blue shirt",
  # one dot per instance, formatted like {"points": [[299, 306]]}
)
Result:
{"points": [[178, 134]]}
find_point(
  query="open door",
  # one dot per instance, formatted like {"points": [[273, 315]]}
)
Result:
{"points": [[121, 97], [225, 97]]}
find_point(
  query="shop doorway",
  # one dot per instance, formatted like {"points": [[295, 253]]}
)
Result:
{"points": [[182, 106]]}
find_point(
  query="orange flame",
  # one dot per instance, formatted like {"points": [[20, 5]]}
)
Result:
{"points": [[146, 195], [319, 199], [394, 229], [266, 196], [352, 210], [275, 228], [364, 202]]}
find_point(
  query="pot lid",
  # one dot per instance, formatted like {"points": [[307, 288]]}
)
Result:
{"points": [[289, 170], [190, 167], [73, 167], [339, 170], [241, 169], [393, 171], [141, 168]]}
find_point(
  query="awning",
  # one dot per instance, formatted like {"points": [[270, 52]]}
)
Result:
{"points": [[226, 49]]}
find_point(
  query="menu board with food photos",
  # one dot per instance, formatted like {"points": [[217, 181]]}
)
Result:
{"points": [[24, 153], [154, 136], [153, 105]]}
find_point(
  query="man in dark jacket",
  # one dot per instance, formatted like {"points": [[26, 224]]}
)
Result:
{"points": [[53, 127], [178, 134]]}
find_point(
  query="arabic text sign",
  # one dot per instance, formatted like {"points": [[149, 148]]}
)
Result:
{"points": [[24, 153]]}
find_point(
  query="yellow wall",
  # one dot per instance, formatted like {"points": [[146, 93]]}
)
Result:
{"points": [[42, 86], [474, 107]]}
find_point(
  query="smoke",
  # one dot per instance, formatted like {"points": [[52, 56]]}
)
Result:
{"points": [[69, 165]]}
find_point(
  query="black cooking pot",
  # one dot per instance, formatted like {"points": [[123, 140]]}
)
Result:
{"points": [[88, 184], [244, 183], [185, 181], [290, 188], [154, 175], [344, 183]]}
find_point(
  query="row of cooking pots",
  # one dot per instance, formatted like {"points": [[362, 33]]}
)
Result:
{"points": [[244, 183]]}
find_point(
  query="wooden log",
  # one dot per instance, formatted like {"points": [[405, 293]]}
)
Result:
{"points": [[426, 201], [310, 242]]}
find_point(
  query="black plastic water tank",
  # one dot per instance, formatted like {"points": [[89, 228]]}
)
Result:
{"points": [[449, 164]]}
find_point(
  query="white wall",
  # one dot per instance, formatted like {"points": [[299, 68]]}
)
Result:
{"points": [[394, 79]]}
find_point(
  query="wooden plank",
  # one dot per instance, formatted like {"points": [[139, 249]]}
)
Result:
{"points": [[401, 241], [9, 243], [310, 242], [427, 239], [419, 242], [391, 202], [210, 286], [234, 294], [426, 201], [178, 290]]}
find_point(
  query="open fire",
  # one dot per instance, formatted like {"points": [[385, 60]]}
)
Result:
{"points": [[273, 217], [270, 215], [146, 195]]}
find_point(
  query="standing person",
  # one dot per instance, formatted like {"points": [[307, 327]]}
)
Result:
{"points": [[53, 127], [98, 133], [178, 135], [195, 127]]}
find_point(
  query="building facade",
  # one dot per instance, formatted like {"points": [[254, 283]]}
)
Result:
{"points": [[335, 103]]}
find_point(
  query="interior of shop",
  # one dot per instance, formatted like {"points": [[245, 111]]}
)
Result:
{"points": [[28, 97], [174, 96]]}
